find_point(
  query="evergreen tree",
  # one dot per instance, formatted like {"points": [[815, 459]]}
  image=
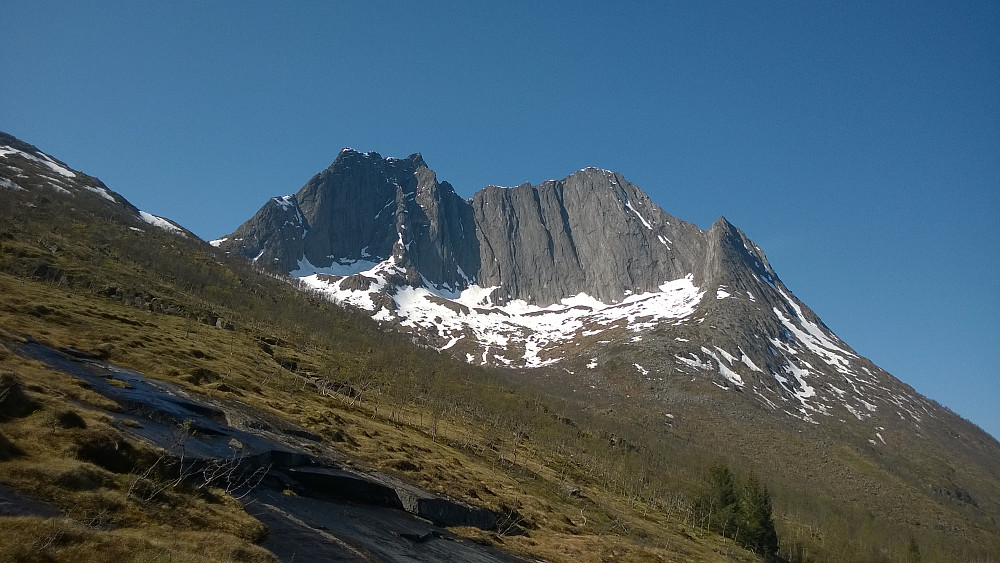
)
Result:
{"points": [[718, 502], [742, 513], [756, 522]]}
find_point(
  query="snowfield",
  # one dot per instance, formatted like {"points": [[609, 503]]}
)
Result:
{"points": [[529, 329]]}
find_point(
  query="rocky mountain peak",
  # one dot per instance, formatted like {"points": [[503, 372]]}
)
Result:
{"points": [[363, 210]]}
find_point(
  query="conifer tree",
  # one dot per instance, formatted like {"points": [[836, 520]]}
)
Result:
{"points": [[718, 503], [743, 513], [757, 523]]}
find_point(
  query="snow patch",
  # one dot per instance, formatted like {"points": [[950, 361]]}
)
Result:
{"points": [[339, 267], [101, 192], [749, 363], [42, 158], [729, 357], [159, 222], [695, 362], [731, 375], [446, 313], [813, 337], [9, 184], [628, 204], [285, 201]]}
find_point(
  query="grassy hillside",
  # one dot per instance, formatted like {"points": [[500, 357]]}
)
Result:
{"points": [[577, 471]]}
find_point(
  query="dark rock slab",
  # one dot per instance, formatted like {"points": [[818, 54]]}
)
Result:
{"points": [[440, 510], [16, 503], [344, 485], [304, 526]]}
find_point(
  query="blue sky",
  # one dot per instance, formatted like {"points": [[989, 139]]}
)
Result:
{"points": [[857, 143]]}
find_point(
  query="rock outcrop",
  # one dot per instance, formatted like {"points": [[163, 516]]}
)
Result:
{"points": [[355, 513]]}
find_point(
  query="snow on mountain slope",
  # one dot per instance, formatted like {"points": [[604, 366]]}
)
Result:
{"points": [[809, 373]]}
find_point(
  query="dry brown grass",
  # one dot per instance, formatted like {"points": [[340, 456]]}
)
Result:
{"points": [[66, 539], [101, 520]]}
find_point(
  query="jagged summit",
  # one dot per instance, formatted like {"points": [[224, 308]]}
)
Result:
{"points": [[362, 209]]}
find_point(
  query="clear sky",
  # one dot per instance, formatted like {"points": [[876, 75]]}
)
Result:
{"points": [[857, 143]]}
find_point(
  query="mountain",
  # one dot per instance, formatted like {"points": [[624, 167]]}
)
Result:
{"points": [[584, 358], [533, 243], [131, 351], [558, 274]]}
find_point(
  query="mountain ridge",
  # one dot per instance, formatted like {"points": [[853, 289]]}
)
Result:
{"points": [[536, 244], [543, 219]]}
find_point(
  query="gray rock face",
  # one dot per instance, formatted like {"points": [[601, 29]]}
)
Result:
{"points": [[592, 232], [365, 207], [274, 237]]}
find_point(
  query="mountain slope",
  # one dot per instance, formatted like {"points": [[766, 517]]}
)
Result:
{"points": [[564, 270], [25, 168]]}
